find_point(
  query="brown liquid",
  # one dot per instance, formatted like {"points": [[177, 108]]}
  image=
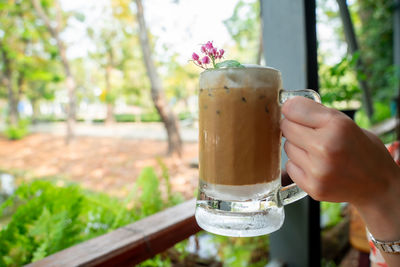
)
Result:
{"points": [[239, 134]]}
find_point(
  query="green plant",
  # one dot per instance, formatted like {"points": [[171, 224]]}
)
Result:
{"points": [[49, 217], [243, 251], [339, 83], [150, 117], [16, 132], [185, 115], [328, 263], [173, 198], [124, 118], [149, 200], [332, 213]]}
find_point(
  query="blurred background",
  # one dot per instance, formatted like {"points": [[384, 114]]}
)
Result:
{"points": [[98, 112]]}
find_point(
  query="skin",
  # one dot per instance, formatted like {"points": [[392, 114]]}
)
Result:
{"points": [[332, 159]]}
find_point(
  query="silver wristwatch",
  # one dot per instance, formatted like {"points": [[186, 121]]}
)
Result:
{"points": [[388, 247]]}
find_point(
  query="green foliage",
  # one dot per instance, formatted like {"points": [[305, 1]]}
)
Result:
{"points": [[244, 27], [388, 138], [156, 261], [150, 197], [242, 251], [228, 64], [362, 120], [376, 44], [180, 81], [172, 198], [19, 131], [382, 111], [328, 263], [339, 83], [52, 216], [146, 117], [332, 212], [125, 118], [150, 117], [49, 218], [27, 53]]}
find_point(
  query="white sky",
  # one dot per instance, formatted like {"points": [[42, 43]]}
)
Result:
{"points": [[183, 26]]}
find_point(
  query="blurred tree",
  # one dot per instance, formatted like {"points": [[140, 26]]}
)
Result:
{"points": [[11, 43], [106, 42], [353, 49], [119, 70], [55, 27], [157, 93], [7, 81], [376, 44], [245, 27], [181, 81], [27, 57], [338, 84], [41, 83], [373, 27]]}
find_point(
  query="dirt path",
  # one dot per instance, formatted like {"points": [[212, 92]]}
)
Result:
{"points": [[109, 165]]}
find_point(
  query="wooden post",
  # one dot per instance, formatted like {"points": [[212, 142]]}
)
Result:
{"points": [[396, 58]]}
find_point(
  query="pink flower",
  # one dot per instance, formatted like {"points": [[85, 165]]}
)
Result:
{"points": [[205, 60], [209, 45], [209, 55], [195, 56], [221, 53]]}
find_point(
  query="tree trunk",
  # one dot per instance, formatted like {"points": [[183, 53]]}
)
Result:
{"points": [[110, 106], [70, 81], [167, 116], [353, 48], [110, 114], [35, 110], [13, 115]]}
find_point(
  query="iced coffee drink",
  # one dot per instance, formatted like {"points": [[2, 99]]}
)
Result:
{"points": [[239, 135]]}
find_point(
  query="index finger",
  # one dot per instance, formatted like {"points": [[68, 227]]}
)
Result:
{"points": [[306, 112]]}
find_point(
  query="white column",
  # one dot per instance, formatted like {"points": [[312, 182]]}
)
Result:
{"points": [[289, 47]]}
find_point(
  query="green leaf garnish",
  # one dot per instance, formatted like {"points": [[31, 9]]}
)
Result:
{"points": [[228, 64]]}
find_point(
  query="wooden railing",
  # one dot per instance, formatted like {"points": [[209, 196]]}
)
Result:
{"points": [[130, 244]]}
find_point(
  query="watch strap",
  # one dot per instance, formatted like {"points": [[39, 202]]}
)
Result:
{"points": [[388, 247]]}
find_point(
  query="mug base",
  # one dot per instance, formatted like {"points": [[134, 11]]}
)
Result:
{"points": [[239, 219]]}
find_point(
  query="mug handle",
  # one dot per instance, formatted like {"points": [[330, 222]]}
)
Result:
{"points": [[292, 193]]}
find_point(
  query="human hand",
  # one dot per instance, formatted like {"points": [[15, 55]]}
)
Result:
{"points": [[331, 158]]}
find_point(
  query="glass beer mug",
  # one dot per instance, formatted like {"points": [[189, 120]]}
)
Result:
{"points": [[240, 192]]}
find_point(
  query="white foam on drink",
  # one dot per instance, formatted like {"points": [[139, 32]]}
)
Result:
{"points": [[239, 192], [254, 77]]}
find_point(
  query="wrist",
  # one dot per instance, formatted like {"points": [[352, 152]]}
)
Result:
{"points": [[381, 212]]}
